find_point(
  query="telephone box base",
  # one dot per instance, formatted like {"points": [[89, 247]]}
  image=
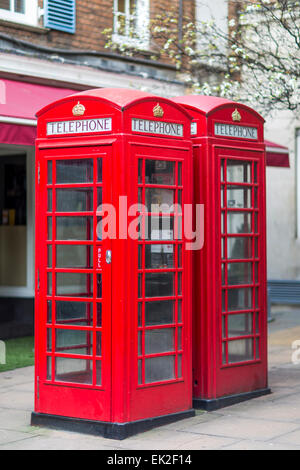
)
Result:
{"points": [[118, 431], [217, 403]]}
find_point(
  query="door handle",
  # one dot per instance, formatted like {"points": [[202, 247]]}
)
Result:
{"points": [[108, 256]]}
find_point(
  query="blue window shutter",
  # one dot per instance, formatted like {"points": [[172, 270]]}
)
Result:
{"points": [[60, 15]]}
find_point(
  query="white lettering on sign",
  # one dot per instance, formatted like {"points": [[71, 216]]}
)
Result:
{"points": [[79, 126], [157, 127], [231, 130]]}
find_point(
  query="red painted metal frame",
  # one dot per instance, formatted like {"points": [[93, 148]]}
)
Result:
{"points": [[213, 376], [120, 397]]}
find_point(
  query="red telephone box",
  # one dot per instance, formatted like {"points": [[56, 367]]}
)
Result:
{"points": [[230, 313], [113, 276]]}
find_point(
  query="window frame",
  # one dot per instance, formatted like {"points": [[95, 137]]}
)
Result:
{"points": [[30, 17], [142, 26]]}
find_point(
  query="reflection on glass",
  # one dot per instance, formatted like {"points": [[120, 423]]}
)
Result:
{"points": [[240, 325], [159, 284], [74, 200], [159, 313], [239, 197], [74, 256], [74, 228], [159, 341], [239, 299], [74, 313], [159, 228], [74, 284], [74, 171], [239, 248], [238, 171], [239, 222], [73, 370], [159, 256], [158, 369], [160, 172], [240, 350], [74, 342], [160, 200], [240, 273]]}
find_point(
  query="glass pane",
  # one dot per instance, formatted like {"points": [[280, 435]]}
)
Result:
{"points": [[49, 230], [140, 314], [98, 343], [20, 6], [73, 370], [160, 172], [179, 311], [49, 264], [240, 350], [159, 313], [159, 228], [179, 174], [140, 172], [74, 200], [159, 284], [158, 341], [49, 368], [74, 285], [160, 200], [49, 168], [74, 342], [140, 336], [49, 284], [179, 290], [99, 286], [49, 311], [158, 369], [140, 257], [74, 171], [239, 248], [240, 273], [99, 175], [179, 366], [257, 355], [99, 200], [238, 171], [99, 314], [49, 200], [159, 256], [239, 197], [239, 222], [239, 299], [179, 340], [74, 313], [240, 325], [49, 340], [98, 373], [121, 6], [74, 228], [74, 256]]}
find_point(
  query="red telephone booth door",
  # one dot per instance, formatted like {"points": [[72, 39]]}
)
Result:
{"points": [[74, 283]]}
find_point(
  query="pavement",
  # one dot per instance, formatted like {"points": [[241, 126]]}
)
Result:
{"points": [[271, 422]]}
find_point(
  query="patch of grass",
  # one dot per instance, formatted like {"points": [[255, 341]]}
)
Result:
{"points": [[19, 353]]}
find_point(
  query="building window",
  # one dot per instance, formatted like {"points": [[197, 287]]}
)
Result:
{"points": [[298, 180], [131, 23], [19, 11]]}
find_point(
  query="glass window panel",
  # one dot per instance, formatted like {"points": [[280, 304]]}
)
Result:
{"points": [[140, 255], [74, 200], [179, 366], [49, 340], [140, 286], [239, 299], [140, 172], [99, 314], [49, 249], [240, 325], [99, 286], [223, 274], [49, 200], [158, 341], [256, 297], [179, 174], [159, 228], [159, 284], [223, 300], [20, 6], [158, 369], [160, 172], [257, 328], [74, 171], [140, 375], [73, 370], [179, 340], [238, 171], [74, 313], [140, 314], [257, 355], [224, 360], [140, 335], [98, 343], [49, 368], [179, 283], [74, 342], [49, 311], [240, 273], [160, 200], [239, 197], [239, 248], [99, 172], [159, 256], [50, 170], [240, 350], [99, 200], [224, 334], [98, 373], [49, 229], [239, 222], [74, 228], [74, 284], [179, 311], [179, 261], [159, 313], [49, 283], [74, 256]]}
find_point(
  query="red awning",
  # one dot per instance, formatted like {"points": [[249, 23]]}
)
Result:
{"points": [[19, 102], [277, 155]]}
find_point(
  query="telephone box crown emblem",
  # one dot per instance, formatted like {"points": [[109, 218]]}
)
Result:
{"points": [[158, 111], [78, 109], [236, 115]]}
